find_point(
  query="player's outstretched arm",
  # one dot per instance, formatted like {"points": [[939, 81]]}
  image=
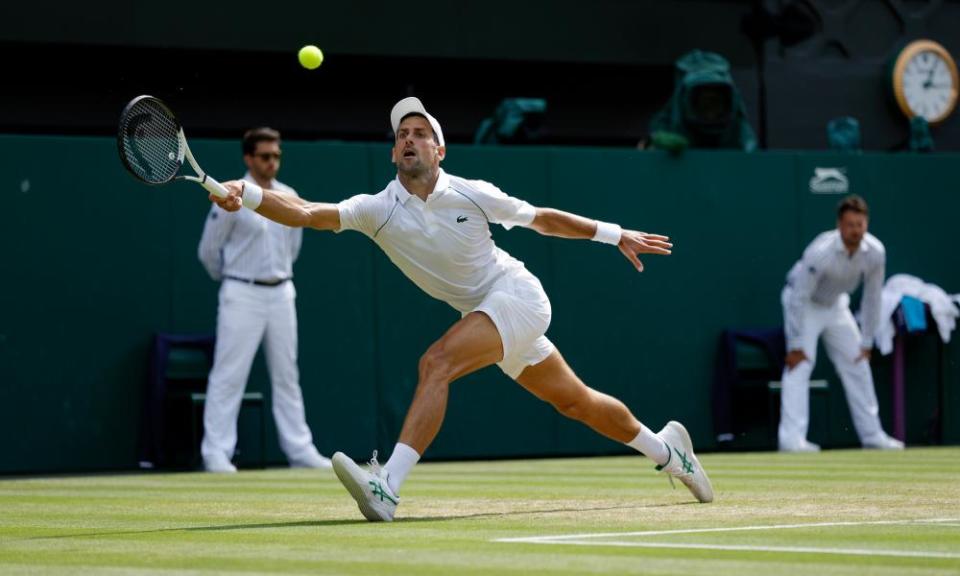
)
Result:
{"points": [[551, 222], [287, 209]]}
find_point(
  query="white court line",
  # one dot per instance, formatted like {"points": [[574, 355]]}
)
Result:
{"points": [[794, 549], [585, 539], [563, 537]]}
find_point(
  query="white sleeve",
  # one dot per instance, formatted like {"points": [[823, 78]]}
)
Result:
{"points": [[296, 242], [803, 281], [499, 207], [216, 231], [870, 303], [363, 213]]}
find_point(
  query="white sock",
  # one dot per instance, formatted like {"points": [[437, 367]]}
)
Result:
{"points": [[401, 462], [650, 445]]}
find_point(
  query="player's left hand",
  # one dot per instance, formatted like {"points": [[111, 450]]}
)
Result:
{"points": [[633, 243], [865, 354]]}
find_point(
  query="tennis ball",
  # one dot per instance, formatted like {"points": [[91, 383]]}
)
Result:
{"points": [[310, 57]]}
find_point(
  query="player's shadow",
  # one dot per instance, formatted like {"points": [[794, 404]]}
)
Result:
{"points": [[351, 522], [446, 518], [438, 518]]}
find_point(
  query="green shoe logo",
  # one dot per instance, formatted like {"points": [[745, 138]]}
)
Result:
{"points": [[686, 464], [378, 491]]}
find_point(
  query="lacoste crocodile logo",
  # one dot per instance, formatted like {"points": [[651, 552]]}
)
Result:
{"points": [[461, 219]]}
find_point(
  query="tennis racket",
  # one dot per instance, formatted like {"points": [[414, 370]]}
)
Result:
{"points": [[152, 145]]}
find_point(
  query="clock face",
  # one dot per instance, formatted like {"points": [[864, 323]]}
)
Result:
{"points": [[925, 81], [928, 85]]}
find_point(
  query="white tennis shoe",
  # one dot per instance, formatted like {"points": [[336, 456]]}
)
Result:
{"points": [[683, 463], [802, 445], [219, 464], [370, 488], [311, 458], [883, 442]]}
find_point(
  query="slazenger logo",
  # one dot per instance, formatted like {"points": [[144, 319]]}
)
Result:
{"points": [[829, 181]]}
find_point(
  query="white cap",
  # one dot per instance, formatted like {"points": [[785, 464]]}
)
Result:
{"points": [[412, 105]]}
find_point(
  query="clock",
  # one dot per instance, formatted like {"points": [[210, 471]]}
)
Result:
{"points": [[925, 81]]}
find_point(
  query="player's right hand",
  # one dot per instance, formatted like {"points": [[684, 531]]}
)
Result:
{"points": [[234, 199]]}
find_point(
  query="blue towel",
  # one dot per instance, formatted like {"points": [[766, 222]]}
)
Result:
{"points": [[914, 314]]}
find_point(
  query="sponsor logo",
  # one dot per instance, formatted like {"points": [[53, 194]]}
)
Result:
{"points": [[461, 219], [829, 181]]}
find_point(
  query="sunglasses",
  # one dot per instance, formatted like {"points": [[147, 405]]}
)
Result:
{"points": [[267, 156]]}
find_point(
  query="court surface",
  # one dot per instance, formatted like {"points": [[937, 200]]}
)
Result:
{"points": [[838, 512]]}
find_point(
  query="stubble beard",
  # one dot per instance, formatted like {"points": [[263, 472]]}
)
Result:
{"points": [[263, 175], [416, 171], [852, 243]]}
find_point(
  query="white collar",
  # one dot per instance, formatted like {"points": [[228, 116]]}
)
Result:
{"points": [[443, 182]]}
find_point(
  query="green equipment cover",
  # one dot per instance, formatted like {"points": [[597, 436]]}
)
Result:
{"points": [[706, 109]]}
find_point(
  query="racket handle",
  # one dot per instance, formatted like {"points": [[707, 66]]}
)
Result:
{"points": [[213, 186]]}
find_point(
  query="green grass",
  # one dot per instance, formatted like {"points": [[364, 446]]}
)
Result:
{"points": [[451, 514]]}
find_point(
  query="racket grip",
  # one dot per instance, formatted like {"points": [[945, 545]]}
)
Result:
{"points": [[213, 186]]}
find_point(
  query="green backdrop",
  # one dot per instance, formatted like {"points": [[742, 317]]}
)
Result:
{"points": [[97, 263]]}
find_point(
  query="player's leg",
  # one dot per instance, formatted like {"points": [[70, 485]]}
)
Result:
{"points": [[470, 344], [280, 348], [842, 340], [795, 384], [553, 381], [241, 320]]}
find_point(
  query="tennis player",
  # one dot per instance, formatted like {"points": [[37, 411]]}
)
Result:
{"points": [[435, 227]]}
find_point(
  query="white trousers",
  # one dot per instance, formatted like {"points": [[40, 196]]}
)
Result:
{"points": [[841, 338], [247, 315]]}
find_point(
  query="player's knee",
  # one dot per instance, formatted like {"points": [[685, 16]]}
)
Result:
{"points": [[435, 365], [576, 407]]}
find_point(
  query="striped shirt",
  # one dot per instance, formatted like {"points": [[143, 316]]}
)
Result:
{"points": [[827, 271], [444, 244], [244, 244]]}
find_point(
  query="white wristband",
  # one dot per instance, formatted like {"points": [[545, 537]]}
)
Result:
{"points": [[252, 195], [608, 233]]}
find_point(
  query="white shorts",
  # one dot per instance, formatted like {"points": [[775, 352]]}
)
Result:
{"points": [[521, 312]]}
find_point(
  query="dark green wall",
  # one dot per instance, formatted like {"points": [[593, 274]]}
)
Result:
{"points": [[542, 30], [96, 263]]}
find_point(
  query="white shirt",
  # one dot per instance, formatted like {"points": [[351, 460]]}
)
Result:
{"points": [[244, 244], [826, 271], [444, 244]]}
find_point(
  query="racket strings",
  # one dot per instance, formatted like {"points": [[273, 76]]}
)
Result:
{"points": [[150, 143]]}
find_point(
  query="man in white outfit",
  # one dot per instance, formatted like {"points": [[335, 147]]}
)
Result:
{"points": [[436, 228], [816, 301], [253, 257]]}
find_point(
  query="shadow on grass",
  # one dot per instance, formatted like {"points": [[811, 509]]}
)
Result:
{"points": [[351, 522]]}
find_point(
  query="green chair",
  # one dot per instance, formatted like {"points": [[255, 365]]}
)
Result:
{"points": [[173, 406]]}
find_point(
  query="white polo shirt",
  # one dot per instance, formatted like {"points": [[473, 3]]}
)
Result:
{"points": [[444, 244], [827, 271]]}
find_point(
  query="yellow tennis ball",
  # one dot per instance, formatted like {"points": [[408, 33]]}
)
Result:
{"points": [[310, 57]]}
